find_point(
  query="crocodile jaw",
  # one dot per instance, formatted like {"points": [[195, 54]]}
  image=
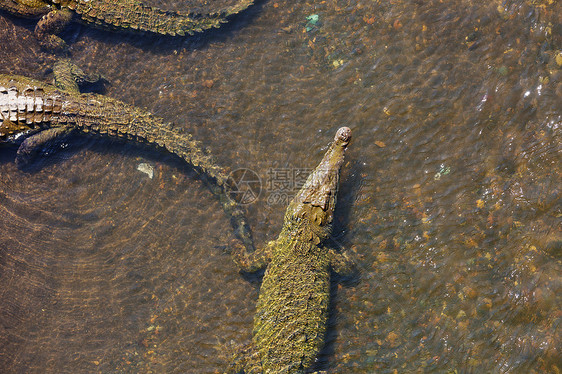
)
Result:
{"points": [[314, 205]]}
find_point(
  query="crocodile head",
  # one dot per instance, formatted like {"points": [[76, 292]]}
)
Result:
{"points": [[311, 212]]}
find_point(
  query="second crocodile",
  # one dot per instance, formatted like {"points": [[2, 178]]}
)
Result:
{"points": [[292, 311], [129, 15], [41, 113]]}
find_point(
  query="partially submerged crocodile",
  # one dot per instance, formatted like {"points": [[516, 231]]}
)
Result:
{"points": [[292, 309], [40, 113], [114, 15]]}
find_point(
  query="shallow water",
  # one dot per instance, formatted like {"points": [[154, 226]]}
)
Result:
{"points": [[450, 196]]}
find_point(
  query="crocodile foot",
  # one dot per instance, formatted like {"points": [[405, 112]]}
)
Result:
{"points": [[42, 143], [50, 24], [69, 77]]}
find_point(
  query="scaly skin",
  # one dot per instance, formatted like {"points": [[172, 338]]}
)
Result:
{"points": [[40, 112], [292, 308], [114, 15]]}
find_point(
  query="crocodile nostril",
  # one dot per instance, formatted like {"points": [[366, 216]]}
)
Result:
{"points": [[343, 134]]}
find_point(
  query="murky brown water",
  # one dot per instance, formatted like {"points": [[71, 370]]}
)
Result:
{"points": [[450, 197]]}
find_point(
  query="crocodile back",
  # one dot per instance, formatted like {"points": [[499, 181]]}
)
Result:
{"points": [[292, 309]]}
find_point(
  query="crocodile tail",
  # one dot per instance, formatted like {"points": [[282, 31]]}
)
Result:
{"points": [[136, 16], [103, 115], [137, 123], [237, 216], [143, 125], [218, 182], [130, 121]]}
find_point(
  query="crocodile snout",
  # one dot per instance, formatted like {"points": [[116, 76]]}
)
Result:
{"points": [[343, 135]]}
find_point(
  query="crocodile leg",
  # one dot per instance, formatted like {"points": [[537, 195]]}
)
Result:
{"points": [[9, 127], [68, 76], [252, 261], [50, 24], [341, 263], [43, 142]]}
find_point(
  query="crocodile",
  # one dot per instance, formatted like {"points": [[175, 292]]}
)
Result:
{"points": [[34, 114], [292, 309], [116, 15]]}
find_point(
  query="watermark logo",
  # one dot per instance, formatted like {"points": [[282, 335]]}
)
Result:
{"points": [[281, 185], [246, 186]]}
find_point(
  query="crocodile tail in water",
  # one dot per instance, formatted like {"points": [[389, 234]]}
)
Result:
{"points": [[133, 15], [133, 122], [219, 183]]}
